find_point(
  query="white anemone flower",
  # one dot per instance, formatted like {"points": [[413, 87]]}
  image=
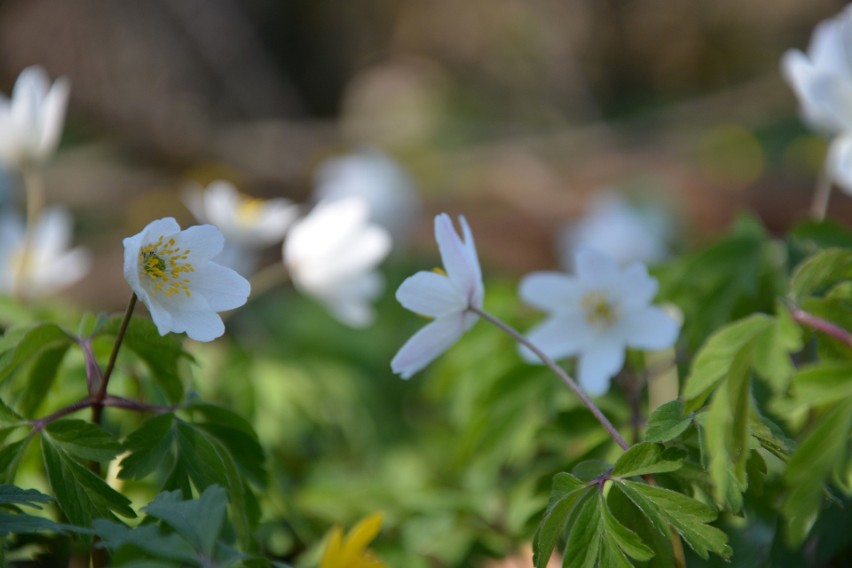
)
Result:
{"points": [[171, 272], [332, 253], [44, 265], [31, 122], [596, 315], [822, 81], [376, 177], [618, 229], [248, 223], [447, 298]]}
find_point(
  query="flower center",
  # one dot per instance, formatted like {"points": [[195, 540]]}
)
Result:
{"points": [[249, 210], [165, 267], [599, 311]]}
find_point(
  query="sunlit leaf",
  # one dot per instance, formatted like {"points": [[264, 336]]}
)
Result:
{"points": [[646, 458]]}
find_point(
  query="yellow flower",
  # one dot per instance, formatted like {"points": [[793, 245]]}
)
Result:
{"points": [[351, 551]]}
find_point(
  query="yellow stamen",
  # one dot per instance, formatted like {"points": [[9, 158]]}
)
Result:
{"points": [[164, 265], [599, 311]]}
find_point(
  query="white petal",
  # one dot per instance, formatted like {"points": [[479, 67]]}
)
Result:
{"points": [[598, 363], [159, 314], [594, 268], [650, 328], [427, 344], [161, 227], [430, 294], [456, 257], [635, 287], [53, 116], [203, 241], [558, 337], [839, 162], [223, 288], [551, 291], [198, 325]]}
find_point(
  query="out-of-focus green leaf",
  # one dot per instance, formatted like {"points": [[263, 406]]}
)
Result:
{"points": [[9, 417], [84, 440], [825, 448], [716, 356], [12, 494], [18, 346], [689, 517], [646, 458], [40, 377], [147, 447], [82, 495], [23, 523], [773, 348], [667, 422], [823, 383], [199, 521], [820, 271], [147, 538], [567, 492]]}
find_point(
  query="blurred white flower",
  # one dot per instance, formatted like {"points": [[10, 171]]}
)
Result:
{"points": [[595, 316], [446, 298], [44, 265], [172, 274], [331, 254], [618, 229], [248, 223], [380, 180], [822, 81], [31, 122]]}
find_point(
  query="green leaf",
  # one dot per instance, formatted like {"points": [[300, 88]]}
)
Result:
{"points": [[622, 537], [199, 521], [10, 457], [28, 342], [82, 495], [823, 383], [716, 356], [12, 494], [667, 422], [22, 523], [726, 432], [147, 446], [162, 354], [647, 458], [84, 440], [147, 538], [40, 378], [825, 447], [689, 517], [584, 541], [820, 271], [9, 417], [773, 349], [567, 492]]}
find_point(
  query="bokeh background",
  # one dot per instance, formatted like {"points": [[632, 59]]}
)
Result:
{"points": [[513, 112]]}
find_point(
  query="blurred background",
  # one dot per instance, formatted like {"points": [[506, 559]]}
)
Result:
{"points": [[513, 112], [516, 113]]}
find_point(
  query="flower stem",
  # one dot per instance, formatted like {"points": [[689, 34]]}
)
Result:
{"points": [[819, 203], [559, 371], [34, 192], [100, 395], [819, 324]]}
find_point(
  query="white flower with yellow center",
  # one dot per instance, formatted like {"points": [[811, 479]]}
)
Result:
{"points": [[172, 274], [596, 315], [447, 298], [332, 254], [45, 264], [31, 121]]}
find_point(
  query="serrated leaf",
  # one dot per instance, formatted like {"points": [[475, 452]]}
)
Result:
{"points": [[820, 452], [147, 447], [29, 342], [716, 356], [567, 492], [82, 495], [147, 538], [199, 521], [645, 458], [40, 378], [12, 494], [584, 540], [10, 457], [23, 523], [622, 537], [774, 348], [820, 271], [667, 422], [689, 517], [84, 440]]}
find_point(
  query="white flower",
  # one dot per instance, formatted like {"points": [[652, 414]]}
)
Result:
{"points": [[44, 265], [172, 274], [624, 232], [446, 298], [822, 80], [31, 122], [332, 253], [248, 223], [596, 315], [380, 180]]}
